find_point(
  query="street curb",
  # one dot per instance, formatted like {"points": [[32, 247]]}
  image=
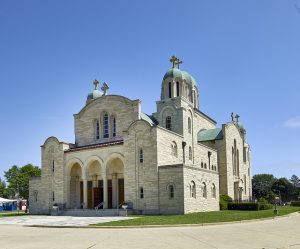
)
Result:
{"points": [[165, 226]]}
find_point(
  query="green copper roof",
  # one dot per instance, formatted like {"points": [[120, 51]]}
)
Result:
{"points": [[177, 73], [94, 94], [151, 120], [209, 135], [173, 73]]}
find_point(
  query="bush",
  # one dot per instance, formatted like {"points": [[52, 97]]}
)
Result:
{"points": [[249, 206], [224, 200], [243, 206], [264, 206], [295, 203]]}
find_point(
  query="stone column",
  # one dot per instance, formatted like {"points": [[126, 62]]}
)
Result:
{"points": [[85, 193], [114, 190], [105, 197]]}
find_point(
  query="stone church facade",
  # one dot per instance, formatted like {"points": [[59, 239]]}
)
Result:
{"points": [[173, 162]]}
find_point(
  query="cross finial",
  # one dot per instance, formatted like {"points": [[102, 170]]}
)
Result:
{"points": [[96, 83], [178, 62], [237, 118], [173, 60], [232, 117], [104, 88]]}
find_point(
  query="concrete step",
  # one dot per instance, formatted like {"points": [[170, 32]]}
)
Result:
{"points": [[90, 212]]}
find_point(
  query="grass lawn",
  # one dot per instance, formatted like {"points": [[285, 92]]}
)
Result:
{"points": [[8, 214], [200, 218]]}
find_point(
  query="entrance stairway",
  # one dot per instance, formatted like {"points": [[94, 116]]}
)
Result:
{"points": [[90, 212]]}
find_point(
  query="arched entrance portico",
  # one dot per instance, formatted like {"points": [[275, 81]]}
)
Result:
{"points": [[75, 187], [115, 182], [94, 178]]}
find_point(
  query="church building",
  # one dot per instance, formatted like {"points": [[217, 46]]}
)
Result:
{"points": [[174, 161]]}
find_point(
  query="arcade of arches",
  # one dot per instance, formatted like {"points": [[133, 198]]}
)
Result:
{"points": [[95, 183]]}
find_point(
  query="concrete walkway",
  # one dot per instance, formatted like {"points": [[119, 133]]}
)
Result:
{"points": [[276, 233], [34, 220]]}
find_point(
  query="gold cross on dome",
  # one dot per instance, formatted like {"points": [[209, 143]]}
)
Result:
{"points": [[173, 60], [96, 83]]}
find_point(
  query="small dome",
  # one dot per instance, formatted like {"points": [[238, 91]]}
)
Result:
{"points": [[177, 73], [93, 95]]}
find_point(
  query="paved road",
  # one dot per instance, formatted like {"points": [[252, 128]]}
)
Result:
{"points": [[56, 220], [278, 233]]}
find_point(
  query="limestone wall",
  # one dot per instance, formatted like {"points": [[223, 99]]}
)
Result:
{"points": [[199, 203], [141, 175], [124, 110]]}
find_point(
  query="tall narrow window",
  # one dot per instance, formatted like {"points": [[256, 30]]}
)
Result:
{"points": [[168, 123], [190, 153], [53, 196], [177, 88], [193, 189], [105, 126], [53, 166], [114, 126], [141, 192], [189, 125], [209, 155], [141, 156], [97, 130], [171, 191], [170, 90], [204, 190], [35, 193], [213, 191], [245, 184]]}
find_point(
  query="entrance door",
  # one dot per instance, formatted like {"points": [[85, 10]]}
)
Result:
{"points": [[98, 194], [90, 194], [121, 191]]}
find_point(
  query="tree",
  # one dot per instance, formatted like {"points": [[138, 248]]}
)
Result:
{"points": [[18, 179], [295, 181], [2, 187], [262, 186], [285, 188]]}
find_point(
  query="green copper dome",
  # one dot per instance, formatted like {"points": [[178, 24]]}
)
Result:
{"points": [[177, 73], [95, 93], [173, 73]]}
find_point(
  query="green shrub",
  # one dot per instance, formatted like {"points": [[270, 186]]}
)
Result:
{"points": [[224, 200], [264, 206], [243, 206], [295, 203], [262, 201]]}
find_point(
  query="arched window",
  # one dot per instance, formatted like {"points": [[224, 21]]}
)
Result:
{"points": [[141, 156], [141, 192], [233, 161], [237, 162], [193, 189], [174, 149], [177, 88], [170, 89], [190, 153], [171, 191], [169, 123], [189, 125], [113, 126], [202, 165], [105, 126], [213, 191], [204, 190]]}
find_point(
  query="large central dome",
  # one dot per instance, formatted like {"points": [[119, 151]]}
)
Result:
{"points": [[174, 73]]}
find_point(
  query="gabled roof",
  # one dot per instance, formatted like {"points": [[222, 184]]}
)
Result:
{"points": [[209, 135], [150, 119]]}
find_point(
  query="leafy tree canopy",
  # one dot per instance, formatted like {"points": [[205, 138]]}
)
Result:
{"points": [[18, 179]]}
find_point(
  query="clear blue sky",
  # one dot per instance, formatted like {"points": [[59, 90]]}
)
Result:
{"points": [[245, 56]]}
